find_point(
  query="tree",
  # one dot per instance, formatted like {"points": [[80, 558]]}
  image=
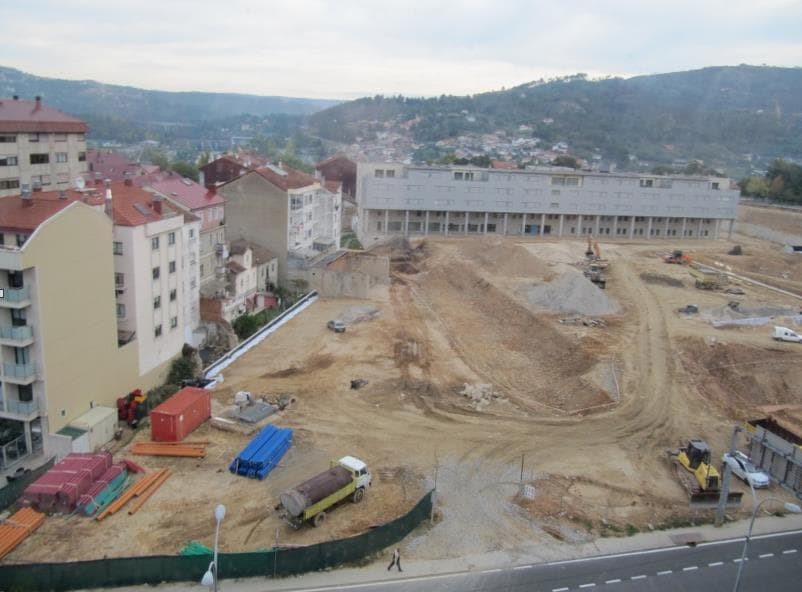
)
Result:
{"points": [[662, 169], [755, 187], [204, 158], [245, 326], [566, 161], [181, 369], [156, 156], [185, 169]]}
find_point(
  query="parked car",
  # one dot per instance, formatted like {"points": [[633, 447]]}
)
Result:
{"points": [[336, 326], [744, 469]]}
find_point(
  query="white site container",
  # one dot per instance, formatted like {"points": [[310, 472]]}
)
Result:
{"points": [[99, 423]]}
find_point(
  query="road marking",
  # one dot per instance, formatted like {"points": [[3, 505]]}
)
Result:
{"points": [[789, 551], [765, 555], [492, 570], [640, 577], [715, 564], [739, 560], [587, 585], [523, 567], [559, 589], [616, 581], [664, 573], [690, 568]]}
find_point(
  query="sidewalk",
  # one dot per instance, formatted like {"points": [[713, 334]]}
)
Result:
{"points": [[377, 571]]}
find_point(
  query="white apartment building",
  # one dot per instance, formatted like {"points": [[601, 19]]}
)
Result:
{"points": [[285, 211], [151, 275], [40, 147], [422, 200]]}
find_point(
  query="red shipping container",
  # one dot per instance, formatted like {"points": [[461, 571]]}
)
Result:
{"points": [[174, 419]]}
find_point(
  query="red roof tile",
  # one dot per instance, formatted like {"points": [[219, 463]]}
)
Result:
{"points": [[503, 164], [133, 206], [186, 192], [103, 164], [15, 216], [32, 116], [292, 179]]}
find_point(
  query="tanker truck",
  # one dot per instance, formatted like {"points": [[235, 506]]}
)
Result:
{"points": [[308, 502]]}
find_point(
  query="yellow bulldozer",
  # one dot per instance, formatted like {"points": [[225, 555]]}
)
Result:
{"points": [[701, 480]]}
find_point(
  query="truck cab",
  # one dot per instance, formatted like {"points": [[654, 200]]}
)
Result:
{"points": [[359, 469]]}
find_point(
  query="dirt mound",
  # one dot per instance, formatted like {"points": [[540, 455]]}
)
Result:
{"points": [[664, 280], [404, 257], [737, 378], [502, 257], [315, 363], [572, 293], [359, 314]]}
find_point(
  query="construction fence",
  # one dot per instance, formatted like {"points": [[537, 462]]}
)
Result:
{"points": [[275, 563]]}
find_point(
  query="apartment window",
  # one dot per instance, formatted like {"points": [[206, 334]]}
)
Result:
{"points": [[119, 280], [121, 311], [21, 238], [173, 322], [60, 137], [154, 243], [191, 233], [171, 238], [173, 294], [157, 273], [9, 183], [61, 157], [201, 270], [8, 161], [7, 139], [379, 173], [118, 248], [25, 393], [171, 266], [62, 178], [40, 180], [647, 182], [40, 158], [82, 157], [389, 174], [35, 137], [157, 302], [157, 332]]}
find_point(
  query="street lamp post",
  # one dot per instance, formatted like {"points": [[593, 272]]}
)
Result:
{"points": [[788, 506], [211, 576]]}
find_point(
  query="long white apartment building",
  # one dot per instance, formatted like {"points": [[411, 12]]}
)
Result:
{"points": [[396, 199], [40, 147]]}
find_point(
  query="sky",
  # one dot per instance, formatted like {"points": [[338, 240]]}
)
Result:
{"points": [[351, 48]]}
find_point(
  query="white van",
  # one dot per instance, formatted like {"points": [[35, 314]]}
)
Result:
{"points": [[784, 334]]}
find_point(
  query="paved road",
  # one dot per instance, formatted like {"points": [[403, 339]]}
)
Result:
{"points": [[774, 564]]}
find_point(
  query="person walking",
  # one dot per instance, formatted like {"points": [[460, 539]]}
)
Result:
{"points": [[396, 560]]}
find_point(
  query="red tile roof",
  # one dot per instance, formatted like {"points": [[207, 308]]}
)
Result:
{"points": [[133, 206], [32, 116], [503, 164], [187, 193], [292, 179], [333, 186], [105, 164], [15, 216]]}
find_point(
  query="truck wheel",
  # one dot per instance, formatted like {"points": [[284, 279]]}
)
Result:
{"points": [[359, 494], [318, 519]]}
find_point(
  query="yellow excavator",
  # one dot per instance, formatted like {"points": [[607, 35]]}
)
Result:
{"points": [[701, 479]]}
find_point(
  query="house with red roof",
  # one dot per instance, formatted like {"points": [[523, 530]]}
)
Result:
{"points": [[230, 166], [340, 169], [40, 147], [288, 212]]}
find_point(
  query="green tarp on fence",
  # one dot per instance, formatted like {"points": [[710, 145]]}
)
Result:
{"points": [[131, 571]]}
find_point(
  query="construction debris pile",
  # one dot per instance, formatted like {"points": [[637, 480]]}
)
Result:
{"points": [[480, 395], [584, 321], [572, 293]]}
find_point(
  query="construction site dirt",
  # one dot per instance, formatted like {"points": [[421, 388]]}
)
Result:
{"points": [[475, 386]]}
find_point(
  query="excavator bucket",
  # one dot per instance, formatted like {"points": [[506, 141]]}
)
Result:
{"points": [[709, 499]]}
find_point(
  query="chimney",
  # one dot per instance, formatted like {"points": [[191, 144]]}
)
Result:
{"points": [[25, 196], [108, 207], [38, 103], [16, 97], [157, 203], [62, 194]]}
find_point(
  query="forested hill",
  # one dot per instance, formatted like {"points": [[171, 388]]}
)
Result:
{"points": [[87, 97], [716, 114]]}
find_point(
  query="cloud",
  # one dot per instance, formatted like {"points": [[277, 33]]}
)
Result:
{"points": [[351, 48]]}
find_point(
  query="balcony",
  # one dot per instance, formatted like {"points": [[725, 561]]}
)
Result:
{"points": [[16, 336], [19, 373], [24, 410], [15, 297]]}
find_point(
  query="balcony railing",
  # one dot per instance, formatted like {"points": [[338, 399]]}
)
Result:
{"points": [[13, 452], [25, 408], [20, 333], [16, 294], [22, 371]]}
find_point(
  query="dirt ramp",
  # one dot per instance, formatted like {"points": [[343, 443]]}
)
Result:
{"points": [[505, 258]]}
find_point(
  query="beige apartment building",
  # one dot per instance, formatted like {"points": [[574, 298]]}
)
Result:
{"points": [[40, 147], [286, 211], [59, 348]]}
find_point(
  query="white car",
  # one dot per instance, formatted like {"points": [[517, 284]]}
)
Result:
{"points": [[744, 469]]}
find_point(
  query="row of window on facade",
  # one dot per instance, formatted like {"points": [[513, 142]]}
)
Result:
{"points": [[40, 137], [19, 239], [566, 217], [36, 181], [398, 226], [156, 272], [40, 158]]}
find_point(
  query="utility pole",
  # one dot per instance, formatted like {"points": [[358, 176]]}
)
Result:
{"points": [[725, 480]]}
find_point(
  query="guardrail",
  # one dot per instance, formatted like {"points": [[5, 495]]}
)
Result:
{"points": [[213, 370]]}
